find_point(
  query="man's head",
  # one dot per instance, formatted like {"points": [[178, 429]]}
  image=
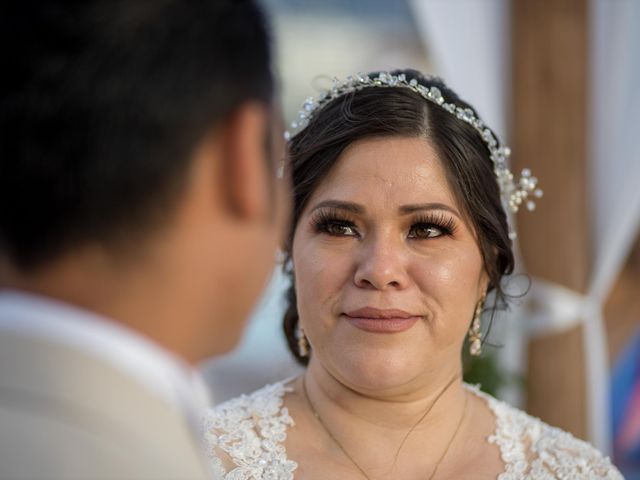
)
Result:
{"points": [[136, 143]]}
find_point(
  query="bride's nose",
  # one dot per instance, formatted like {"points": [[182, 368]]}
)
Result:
{"points": [[381, 265]]}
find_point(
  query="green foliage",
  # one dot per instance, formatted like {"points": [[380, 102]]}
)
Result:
{"points": [[486, 371]]}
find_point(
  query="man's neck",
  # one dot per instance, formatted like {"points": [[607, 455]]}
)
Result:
{"points": [[129, 294]]}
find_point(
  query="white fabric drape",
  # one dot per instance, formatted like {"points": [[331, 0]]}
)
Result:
{"points": [[615, 177], [468, 40]]}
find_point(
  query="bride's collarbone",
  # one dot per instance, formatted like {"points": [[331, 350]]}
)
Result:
{"points": [[318, 457], [320, 467]]}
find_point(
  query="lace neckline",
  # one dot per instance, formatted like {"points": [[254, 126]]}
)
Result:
{"points": [[251, 431]]}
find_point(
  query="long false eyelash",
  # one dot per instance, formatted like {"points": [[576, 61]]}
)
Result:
{"points": [[322, 220], [443, 222]]}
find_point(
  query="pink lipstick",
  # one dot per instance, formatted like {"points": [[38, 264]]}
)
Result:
{"points": [[376, 320]]}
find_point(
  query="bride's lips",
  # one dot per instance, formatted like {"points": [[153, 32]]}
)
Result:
{"points": [[381, 321]]}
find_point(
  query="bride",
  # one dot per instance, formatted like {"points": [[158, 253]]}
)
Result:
{"points": [[399, 234]]}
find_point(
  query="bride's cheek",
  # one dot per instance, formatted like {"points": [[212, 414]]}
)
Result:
{"points": [[451, 283], [321, 275]]}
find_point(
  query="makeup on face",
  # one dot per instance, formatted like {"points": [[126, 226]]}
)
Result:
{"points": [[375, 320]]}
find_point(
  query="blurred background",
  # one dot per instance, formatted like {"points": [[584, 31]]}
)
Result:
{"points": [[560, 81]]}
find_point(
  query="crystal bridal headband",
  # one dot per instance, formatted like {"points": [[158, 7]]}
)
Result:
{"points": [[514, 193]]}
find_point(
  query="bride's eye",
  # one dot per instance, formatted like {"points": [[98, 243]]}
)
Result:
{"points": [[432, 227], [424, 230], [334, 225], [340, 229]]}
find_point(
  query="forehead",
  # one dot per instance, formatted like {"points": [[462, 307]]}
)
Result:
{"points": [[388, 171]]}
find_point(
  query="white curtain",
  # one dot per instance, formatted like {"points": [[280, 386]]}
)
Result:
{"points": [[615, 179], [469, 42]]}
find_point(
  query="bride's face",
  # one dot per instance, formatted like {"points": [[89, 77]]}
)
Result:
{"points": [[388, 273]]}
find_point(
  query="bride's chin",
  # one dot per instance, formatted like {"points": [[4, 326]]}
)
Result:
{"points": [[376, 373]]}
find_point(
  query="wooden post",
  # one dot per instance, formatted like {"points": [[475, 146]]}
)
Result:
{"points": [[549, 121]]}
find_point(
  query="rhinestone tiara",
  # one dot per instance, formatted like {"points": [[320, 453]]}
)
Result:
{"points": [[514, 193]]}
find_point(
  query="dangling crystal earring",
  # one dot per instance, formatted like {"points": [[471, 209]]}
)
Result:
{"points": [[475, 343], [303, 343]]}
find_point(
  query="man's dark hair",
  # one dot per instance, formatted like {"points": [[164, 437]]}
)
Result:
{"points": [[102, 105]]}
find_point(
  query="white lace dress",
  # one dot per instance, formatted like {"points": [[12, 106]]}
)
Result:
{"points": [[251, 430]]}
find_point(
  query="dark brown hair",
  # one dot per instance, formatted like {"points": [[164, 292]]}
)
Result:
{"points": [[380, 112]]}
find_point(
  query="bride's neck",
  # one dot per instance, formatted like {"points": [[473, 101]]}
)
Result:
{"points": [[428, 404]]}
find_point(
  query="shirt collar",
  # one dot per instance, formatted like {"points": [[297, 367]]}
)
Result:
{"points": [[150, 364]]}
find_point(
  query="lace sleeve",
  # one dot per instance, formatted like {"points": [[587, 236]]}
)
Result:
{"points": [[245, 436], [558, 452]]}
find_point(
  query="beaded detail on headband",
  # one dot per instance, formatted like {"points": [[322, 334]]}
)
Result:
{"points": [[514, 193]]}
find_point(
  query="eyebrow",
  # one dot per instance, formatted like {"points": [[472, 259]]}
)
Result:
{"points": [[340, 205], [404, 209], [419, 207]]}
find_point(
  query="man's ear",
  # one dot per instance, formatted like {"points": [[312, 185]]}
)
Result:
{"points": [[246, 181]]}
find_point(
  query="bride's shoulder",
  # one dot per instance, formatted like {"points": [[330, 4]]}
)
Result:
{"points": [[262, 403], [248, 432], [529, 447]]}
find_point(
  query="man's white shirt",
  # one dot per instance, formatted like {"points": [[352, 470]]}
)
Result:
{"points": [[159, 370]]}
